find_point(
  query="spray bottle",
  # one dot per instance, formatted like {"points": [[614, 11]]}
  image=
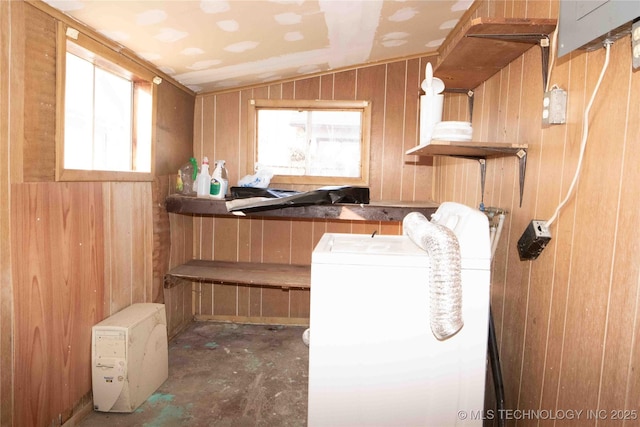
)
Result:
{"points": [[219, 181], [203, 179]]}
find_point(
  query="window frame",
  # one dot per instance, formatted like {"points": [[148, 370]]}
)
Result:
{"points": [[332, 105], [102, 56]]}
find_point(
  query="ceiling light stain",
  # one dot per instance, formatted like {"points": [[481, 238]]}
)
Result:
{"points": [[230, 25], [66, 5], [167, 70], [150, 56], [393, 43], [396, 35], [447, 25], [241, 47], [202, 65], [170, 35], [403, 14], [293, 36], [307, 69], [351, 28], [150, 17], [116, 36], [461, 5], [288, 18], [269, 65], [435, 43], [214, 6], [190, 51]]}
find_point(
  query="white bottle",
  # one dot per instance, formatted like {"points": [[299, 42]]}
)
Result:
{"points": [[219, 181], [203, 179]]}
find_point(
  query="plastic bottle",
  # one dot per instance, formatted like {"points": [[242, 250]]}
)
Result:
{"points": [[219, 181], [203, 179]]}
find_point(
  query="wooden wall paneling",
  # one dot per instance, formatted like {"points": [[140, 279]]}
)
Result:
{"points": [[119, 249], [277, 238], [345, 85], [516, 289], [537, 308], [129, 242], [564, 228], [589, 293], [8, 124], [142, 242], [57, 232], [370, 86], [366, 227], [225, 249], [302, 244], [257, 251], [393, 139], [39, 96], [287, 90], [178, 300], [174, 128], [326, 86], [619, 345], [545, 189], [161, 235], [627, 247], [506, 187], [308, 88], [416, 179], [225, 142]]}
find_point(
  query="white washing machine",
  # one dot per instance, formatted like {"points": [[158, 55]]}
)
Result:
{"points": [[373, 359]]}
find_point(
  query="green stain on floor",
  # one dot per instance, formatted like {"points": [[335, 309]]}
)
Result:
{"points": [[168, 416], [212, 344], [160, 397]]}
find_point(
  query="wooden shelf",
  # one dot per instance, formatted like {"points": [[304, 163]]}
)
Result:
{"points": [[484, 46], [374, 211], [242, 273], [470, 149], [479, 151]]}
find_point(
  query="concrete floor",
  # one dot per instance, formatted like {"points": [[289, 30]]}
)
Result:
{"points": [[226, 375]]}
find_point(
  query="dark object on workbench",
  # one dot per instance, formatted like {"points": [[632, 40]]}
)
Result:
{"points": [[249, 199]]}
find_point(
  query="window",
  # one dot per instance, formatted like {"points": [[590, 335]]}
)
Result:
{"points": [[105, 109], [311, 142]]}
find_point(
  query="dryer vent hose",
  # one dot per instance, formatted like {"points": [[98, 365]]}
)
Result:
{"points": [[445, 291]]}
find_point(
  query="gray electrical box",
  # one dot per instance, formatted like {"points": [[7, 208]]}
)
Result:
{"points": [[587, 23], [554, 107]]}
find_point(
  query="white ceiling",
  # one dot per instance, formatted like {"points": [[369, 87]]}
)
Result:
{"points": [[211, 45]]}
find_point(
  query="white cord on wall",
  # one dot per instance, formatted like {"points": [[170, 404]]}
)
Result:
{"points": [[585, 134]]}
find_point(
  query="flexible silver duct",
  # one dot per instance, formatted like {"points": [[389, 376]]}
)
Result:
{"points": [[445, 285]]}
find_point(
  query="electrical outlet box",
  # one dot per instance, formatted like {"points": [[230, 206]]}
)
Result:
{"points": [[635, 44], [533, 240], [554, 107]]}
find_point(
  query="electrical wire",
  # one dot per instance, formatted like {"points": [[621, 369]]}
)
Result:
{"points": [[554, 47], [585, 134]]}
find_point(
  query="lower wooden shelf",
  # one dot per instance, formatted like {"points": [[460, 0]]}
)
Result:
{"points": [[242, 273]]}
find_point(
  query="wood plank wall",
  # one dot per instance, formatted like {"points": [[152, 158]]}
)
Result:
{"points": [[8, 132], [221, 133], [567, 322], [71, 254]]}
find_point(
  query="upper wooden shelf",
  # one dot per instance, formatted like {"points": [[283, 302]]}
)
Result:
{"points": [[483, 46], [374, 211], [467, 149]]}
